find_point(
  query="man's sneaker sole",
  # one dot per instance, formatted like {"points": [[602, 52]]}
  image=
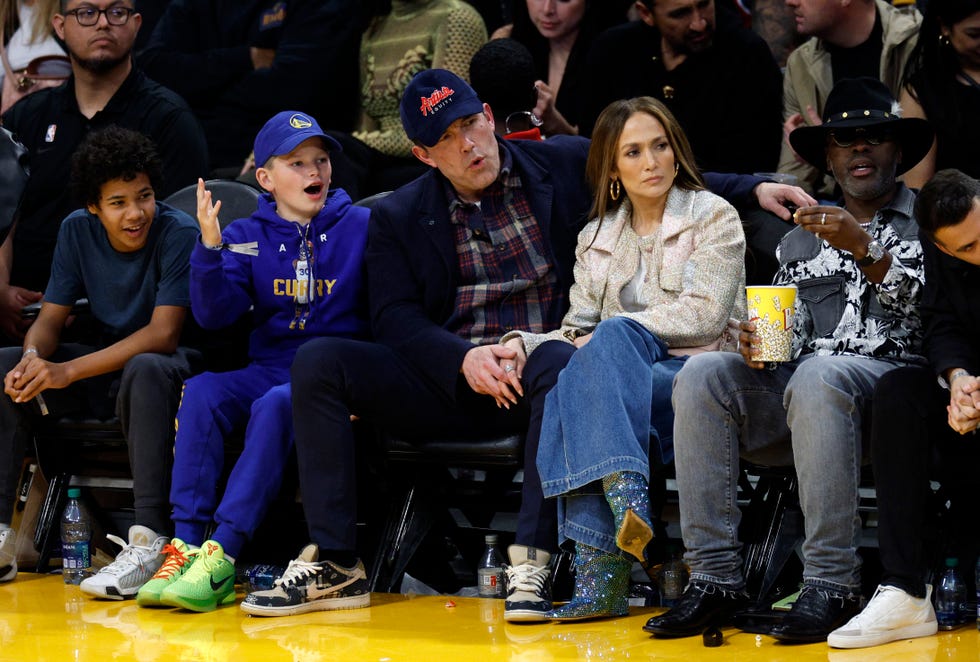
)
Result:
{"points": [[108, 592], [171, 600], [525, 616], [9, 572], [878, 638], [322, 604]]}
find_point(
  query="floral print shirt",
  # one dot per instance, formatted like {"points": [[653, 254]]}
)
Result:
{"points": [[839, 311]]}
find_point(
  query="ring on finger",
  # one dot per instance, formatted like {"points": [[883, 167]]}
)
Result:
{"points": [[509, 368], [823, 218]]}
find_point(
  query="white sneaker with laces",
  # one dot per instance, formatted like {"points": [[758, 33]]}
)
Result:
{"points": [[134, 565], [528, 585], [892, 614], [8, 554]]}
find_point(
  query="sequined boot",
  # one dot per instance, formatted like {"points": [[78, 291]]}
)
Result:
{"points": [[628, 496], [602, 584]]}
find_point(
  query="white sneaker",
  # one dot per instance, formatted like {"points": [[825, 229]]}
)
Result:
{"points": [[8, 554], [134, 565], [528, 585], [892, 614]]}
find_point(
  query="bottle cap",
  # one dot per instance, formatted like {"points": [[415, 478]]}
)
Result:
{"points": [[712, 638], [74, 493], [490, 538]]}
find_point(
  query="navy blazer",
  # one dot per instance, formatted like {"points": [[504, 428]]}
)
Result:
{"points": [[411, 257]]}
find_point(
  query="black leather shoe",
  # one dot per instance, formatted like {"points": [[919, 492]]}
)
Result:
{"points": [[815, 614], [702, 605]]}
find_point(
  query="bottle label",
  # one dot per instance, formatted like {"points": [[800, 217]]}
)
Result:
{"points": [[76, 555], [491, 582]]}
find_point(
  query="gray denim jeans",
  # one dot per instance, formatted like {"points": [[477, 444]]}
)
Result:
{"points": [[809, 413]]}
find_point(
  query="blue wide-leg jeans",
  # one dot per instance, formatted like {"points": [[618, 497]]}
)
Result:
{"points": [[611, 398]]}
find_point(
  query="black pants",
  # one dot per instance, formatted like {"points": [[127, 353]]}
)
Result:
{"points": [[912, 442], [144, 395], [333, 378]]}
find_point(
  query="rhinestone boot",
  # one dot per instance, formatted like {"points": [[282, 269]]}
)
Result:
{"points": [[601, 586], [628, 496]]}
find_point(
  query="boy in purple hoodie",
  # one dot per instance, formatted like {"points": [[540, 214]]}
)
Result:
{"points": [[297, 265]]}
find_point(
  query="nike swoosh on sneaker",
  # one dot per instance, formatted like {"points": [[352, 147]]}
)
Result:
{"points": [[217, 587], [314, 592]]}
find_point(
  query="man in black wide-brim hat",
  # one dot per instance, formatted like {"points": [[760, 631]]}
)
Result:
{"points": [[859, 273]]}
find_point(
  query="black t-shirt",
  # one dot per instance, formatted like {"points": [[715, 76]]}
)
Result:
{"points": [[861, 60], [51, 126]]}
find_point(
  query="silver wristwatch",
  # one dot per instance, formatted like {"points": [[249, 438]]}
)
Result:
{"points": [[875, 252]]}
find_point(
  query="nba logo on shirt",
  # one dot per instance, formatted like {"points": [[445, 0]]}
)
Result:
{"points": [[49, 136]]}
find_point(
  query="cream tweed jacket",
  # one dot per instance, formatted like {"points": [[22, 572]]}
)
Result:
{"points": [[698, 285]]}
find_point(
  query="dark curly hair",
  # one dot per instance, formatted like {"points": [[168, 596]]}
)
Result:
{"points": [[112, 153]]}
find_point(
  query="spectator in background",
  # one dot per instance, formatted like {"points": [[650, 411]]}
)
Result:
{"points": [[559, 34], [402, 39], [151, 11], [848, 39], [105, 88], [942, 85], [722, 85], [26, 33], [239, 62], [502, 74]]}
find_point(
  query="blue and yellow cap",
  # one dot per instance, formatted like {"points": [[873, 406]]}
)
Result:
{"points": [[284, 131]]}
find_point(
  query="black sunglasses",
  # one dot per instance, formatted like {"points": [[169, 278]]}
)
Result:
{"points": [[847, 137]]}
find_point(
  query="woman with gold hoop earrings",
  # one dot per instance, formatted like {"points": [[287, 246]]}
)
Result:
{"points": [[658, 274]]}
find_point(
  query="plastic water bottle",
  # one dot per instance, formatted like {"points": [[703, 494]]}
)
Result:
{"points": [[490, 572], [76, 540], [950, 596]]}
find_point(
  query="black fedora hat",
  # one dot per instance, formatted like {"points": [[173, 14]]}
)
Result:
{"points": [[858, 103]]}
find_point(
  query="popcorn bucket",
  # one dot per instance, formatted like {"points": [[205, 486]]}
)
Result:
{"points": [[771, 307]]}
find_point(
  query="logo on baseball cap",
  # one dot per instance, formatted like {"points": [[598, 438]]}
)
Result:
{"points": [[284, 132], [433, 100]]}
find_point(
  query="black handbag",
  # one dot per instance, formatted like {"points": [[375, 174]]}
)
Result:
{"points": [[14, 173]]}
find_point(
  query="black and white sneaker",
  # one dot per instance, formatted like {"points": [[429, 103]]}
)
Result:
{"points": [[528, 585], [8, 554], [311, 585]]}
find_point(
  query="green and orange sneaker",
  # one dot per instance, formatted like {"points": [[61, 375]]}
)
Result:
{"points": [[209, 582], [179, 559]]}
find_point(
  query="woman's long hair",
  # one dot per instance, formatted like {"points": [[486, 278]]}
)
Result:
{"points": [[605, 145], [44, 10], [932, 68]]}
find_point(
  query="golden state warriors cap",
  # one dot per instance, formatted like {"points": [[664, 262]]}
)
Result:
{"points": [[433, 100], [284, 131]]}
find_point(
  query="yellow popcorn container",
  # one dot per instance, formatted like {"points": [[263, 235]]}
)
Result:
{"points": [[771, 307]]}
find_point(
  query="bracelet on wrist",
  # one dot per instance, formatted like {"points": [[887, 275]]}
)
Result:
{"points": [[959, 372], [29, 350]]}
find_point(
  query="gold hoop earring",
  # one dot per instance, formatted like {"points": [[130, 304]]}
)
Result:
{"points": [[615, 189], [677, 168]]}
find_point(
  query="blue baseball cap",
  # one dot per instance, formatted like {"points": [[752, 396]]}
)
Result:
{"points": [[433, 100], [284, 131]]}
